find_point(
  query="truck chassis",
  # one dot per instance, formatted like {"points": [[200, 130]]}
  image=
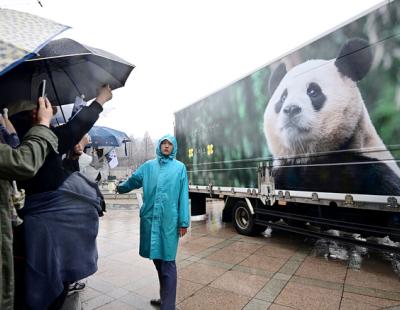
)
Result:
{"points": [[312, 214]]}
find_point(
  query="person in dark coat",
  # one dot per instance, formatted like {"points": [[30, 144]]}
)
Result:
{"points": [[71, 163]]}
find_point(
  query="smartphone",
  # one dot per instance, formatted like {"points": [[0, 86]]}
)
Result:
{"points": [[42, 91]]}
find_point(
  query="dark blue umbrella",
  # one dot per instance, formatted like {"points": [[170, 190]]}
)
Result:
{"points": [[103, 136]]}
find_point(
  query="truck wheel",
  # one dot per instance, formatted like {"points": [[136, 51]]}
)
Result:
{"points": [[243, 220]]}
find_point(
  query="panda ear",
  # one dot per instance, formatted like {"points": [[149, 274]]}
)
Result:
{"points": [[276, 77], [355, 59]]}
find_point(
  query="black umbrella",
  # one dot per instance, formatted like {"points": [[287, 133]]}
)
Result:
{"points": [[70, 68]]}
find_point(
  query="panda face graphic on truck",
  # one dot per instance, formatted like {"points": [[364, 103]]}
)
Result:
{"points": [[317, 106], [309, 106], [297, 104]]}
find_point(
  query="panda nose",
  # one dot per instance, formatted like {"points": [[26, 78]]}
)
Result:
{"points": [[292, 110]]}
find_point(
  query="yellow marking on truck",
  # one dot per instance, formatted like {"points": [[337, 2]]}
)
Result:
{"points": [[210, 149]]}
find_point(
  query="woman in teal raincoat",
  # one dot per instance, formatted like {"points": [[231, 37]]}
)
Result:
{"points": [[164, 216]]}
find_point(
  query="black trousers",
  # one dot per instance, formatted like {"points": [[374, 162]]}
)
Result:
{"points": [[167, 277]]}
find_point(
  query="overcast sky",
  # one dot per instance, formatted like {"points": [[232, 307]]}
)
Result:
{"points": [[184, 50]]}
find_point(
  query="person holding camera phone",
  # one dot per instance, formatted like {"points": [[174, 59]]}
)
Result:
{"points": [[52, 174], [20, 163], [50, 181]]}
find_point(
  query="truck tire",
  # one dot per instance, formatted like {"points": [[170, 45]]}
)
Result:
{"points": [[244, 221]]}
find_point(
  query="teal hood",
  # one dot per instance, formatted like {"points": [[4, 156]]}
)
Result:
{"points": [[171, 139]]}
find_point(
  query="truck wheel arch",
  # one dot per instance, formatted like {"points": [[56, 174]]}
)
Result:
{"points": [[243, 217]]}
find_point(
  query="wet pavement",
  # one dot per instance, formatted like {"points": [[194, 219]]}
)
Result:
{"points": [[219, 269]]}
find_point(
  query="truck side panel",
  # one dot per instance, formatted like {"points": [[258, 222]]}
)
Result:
{"points": [[328, 122]]}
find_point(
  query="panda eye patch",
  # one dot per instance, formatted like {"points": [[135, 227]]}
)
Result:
{"points": [[278, 105], [313, 90], [316, 95]]}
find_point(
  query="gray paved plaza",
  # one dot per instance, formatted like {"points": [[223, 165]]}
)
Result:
{"points": [[219, 269]]}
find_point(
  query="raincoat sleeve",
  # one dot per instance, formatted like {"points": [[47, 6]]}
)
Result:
{"points": [[134, 181], [184, 218], [72, 132], [23, 162]]}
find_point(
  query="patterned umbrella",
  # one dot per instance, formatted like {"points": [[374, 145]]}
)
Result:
{"points": [[22, 35]]}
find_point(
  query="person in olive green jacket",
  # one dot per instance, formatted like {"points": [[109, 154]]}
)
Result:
{"points": [[19, 164]]}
